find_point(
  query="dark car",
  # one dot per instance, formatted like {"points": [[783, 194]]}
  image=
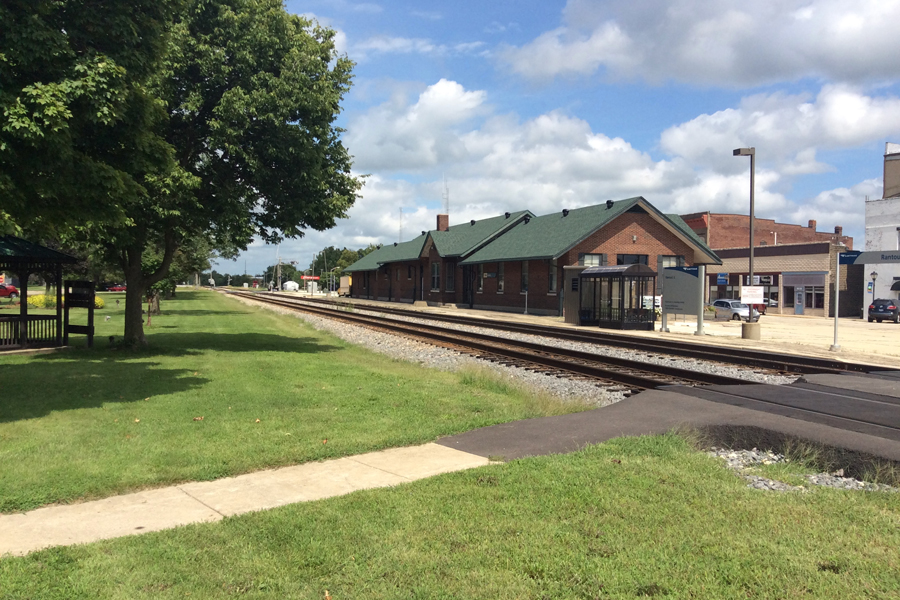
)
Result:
{"points": [[8, 291], [883, 309]]}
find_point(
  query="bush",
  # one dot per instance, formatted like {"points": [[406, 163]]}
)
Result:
{"points": [[45, 301], [41, 301]]}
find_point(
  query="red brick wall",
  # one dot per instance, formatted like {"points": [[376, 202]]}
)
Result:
{"points": [[733, 231], [653, 239]]}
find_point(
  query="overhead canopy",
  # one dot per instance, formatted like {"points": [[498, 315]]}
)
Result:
{"points": [[16, 253], [613, 270]]}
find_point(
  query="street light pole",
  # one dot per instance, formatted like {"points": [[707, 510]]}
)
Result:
{"points": [[751, 152]]}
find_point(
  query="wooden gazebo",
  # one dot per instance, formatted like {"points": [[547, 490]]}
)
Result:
{"points": [[23, 258]]}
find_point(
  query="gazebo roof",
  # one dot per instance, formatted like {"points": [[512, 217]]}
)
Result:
{"points": [[16, 252]]}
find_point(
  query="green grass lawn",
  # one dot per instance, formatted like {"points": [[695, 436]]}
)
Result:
{"points": [[634, 517], [82, 423]]}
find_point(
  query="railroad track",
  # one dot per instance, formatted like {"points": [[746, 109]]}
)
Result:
{"points": [[769, 361], [616, 373]]}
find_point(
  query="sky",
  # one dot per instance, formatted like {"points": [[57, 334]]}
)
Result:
{"points": [[543, 105]]}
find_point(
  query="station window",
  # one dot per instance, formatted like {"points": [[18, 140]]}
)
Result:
{"points": [[410, 270], [591, 260], [631, 259], [479, 287], [671, 261], [435, 277], [551, 275], [501, 277], [524, 283], [451, 279]]}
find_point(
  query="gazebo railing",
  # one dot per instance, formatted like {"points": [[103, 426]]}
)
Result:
{"points": [[41, 330]]}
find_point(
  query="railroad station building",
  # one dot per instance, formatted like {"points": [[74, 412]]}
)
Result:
{"points": [[794, 264], [517, 262]]}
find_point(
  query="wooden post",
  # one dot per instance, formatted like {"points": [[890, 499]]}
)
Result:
{"points": [[59, 299]]}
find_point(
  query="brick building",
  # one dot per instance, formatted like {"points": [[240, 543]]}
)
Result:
{"points": [[517, 260], [721, 231], [794, 264]]}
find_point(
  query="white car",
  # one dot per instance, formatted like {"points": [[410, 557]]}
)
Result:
{"points": [[733, 309]]}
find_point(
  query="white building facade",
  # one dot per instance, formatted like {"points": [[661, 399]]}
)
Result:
{"points": [[883, 229]]}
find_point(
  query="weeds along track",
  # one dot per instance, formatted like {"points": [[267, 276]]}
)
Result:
{"points": [[618, 374], [770, 361]]}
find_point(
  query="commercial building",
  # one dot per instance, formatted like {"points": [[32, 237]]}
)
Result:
{"points": [[794, 264], [516, 262], [883, 229]]}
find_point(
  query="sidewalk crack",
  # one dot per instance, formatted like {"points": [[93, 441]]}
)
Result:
{"points": [[196, 499]]}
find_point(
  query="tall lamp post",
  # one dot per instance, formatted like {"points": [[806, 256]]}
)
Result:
{"points": [[751, 152]]}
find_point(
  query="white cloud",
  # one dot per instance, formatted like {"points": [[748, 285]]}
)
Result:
{"points": [[401, 45], [428, 15], [496, 163], [396, 136], [786, 128], [717, 42]]}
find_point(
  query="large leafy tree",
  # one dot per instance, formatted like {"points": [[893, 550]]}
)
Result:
{"points": [[252, 94], [77, 124]]}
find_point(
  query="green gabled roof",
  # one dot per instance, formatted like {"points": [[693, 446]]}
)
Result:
{"points": [[389, 253], [462, 239], [550, 236]]}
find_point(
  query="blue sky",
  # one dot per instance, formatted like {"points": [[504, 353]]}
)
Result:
{"points": [[545, 105]]}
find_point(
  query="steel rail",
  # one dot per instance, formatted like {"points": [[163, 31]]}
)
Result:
{"points": [[625, 372], [790, 363]]}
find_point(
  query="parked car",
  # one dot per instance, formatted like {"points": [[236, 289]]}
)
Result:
{"points": [[883, 309], [8, 291], [117, 288], [770, 302], [733, 309]]}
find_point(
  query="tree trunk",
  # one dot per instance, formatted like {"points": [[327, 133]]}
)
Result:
{"points": [[137, 283], [134, 317], [153, 303]]}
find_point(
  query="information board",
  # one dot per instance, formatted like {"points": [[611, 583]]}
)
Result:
{"points": [[681, 290]]}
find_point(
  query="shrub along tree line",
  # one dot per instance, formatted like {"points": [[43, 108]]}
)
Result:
{"points": [[145, 134]]}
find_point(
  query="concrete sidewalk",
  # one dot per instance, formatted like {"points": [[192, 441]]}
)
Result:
{"points": [[208, 501]]}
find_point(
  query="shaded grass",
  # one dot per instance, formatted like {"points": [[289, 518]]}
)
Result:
{"points": [[89, 423], [634, 517]]}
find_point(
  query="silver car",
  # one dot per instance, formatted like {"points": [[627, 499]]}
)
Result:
{"points": [[734, 310]]}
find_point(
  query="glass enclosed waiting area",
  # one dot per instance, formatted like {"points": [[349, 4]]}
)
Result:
{"points": [[618, 297]]}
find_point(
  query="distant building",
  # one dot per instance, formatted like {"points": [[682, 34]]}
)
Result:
{"points": [[794, 264], [883, 228]]}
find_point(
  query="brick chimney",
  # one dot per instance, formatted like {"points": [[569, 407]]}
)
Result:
{"points": [[812, 224], [443, 222], [838, 230], [891, 170]]}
